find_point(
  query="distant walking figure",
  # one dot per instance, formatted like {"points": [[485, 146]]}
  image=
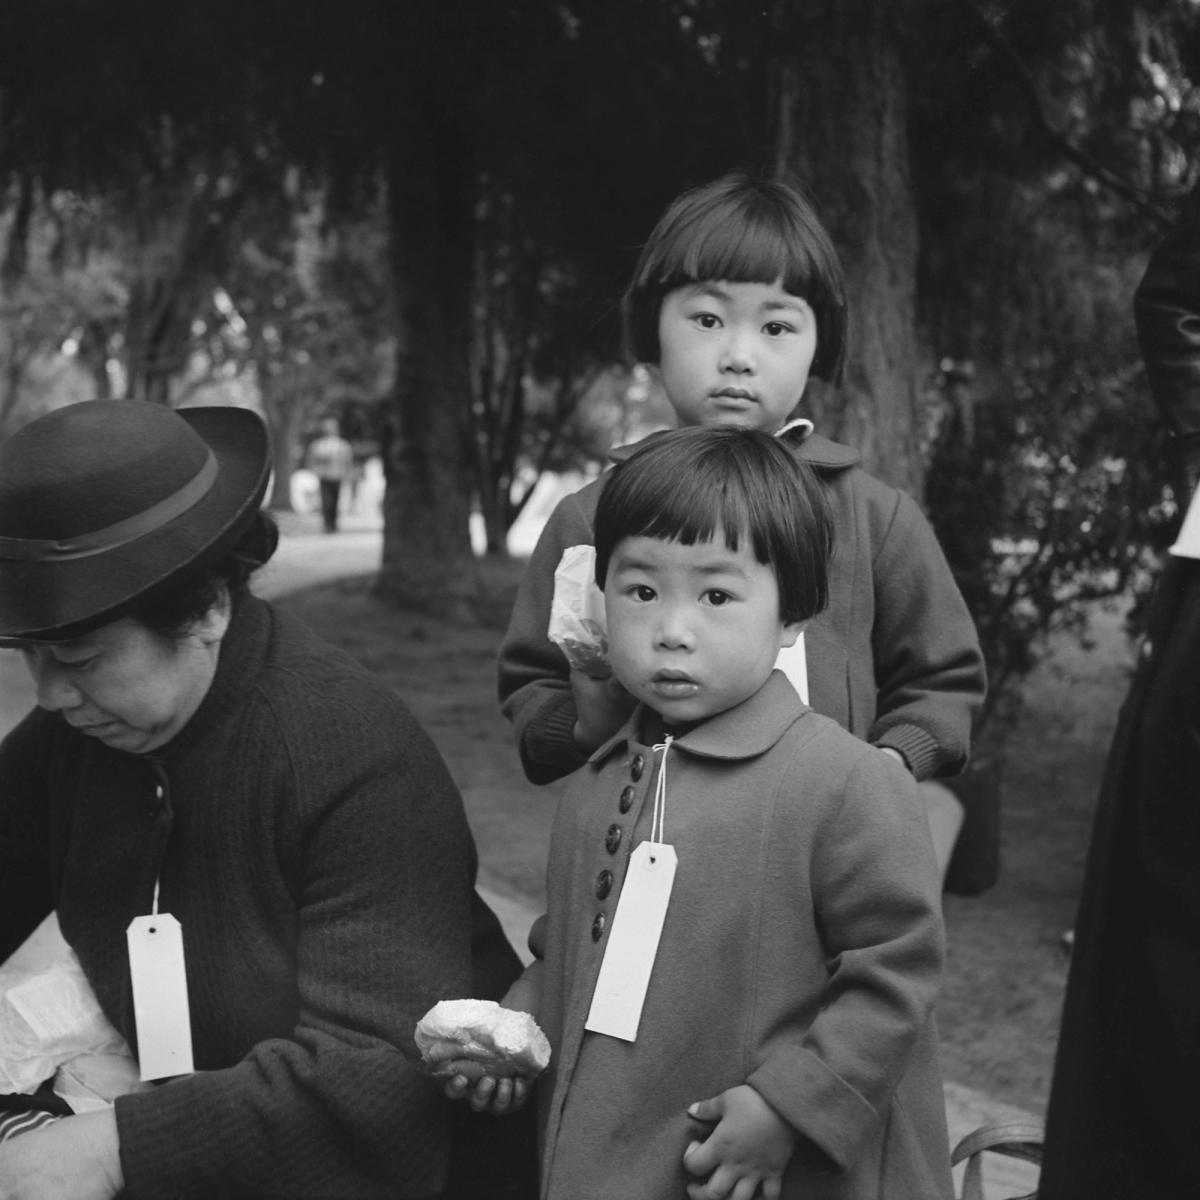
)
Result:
{"points": [[331, 460]]}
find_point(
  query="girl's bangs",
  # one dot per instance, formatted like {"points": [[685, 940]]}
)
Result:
{"points": [[695, 514], [745, 252]]}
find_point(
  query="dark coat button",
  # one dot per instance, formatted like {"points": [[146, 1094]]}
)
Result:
{"points": [[625, 803], [604, 882], [598, 927], [612, 839], [636, 767]]}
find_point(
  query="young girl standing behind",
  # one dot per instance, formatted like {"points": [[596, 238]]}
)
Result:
{"points": [[737, 298], [763, 1019]]}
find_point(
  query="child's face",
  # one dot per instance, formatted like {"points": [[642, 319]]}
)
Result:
{"points": [[692, 630], [735, 353]]}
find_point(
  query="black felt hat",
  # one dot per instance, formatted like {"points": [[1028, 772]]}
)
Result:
{"points": [[106, 503]]}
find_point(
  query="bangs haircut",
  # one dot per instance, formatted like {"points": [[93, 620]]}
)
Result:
{"points": [[741, 229], [689, 484]]}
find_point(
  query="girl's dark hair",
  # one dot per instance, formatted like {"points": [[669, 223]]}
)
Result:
{"points": [[172, 612], [687, 484], [741, 229]]}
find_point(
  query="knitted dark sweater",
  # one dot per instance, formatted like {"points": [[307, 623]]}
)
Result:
{"points": [[309, 838]]}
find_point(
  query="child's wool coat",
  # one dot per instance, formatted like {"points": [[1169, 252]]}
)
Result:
{"points": [[801, 954]]}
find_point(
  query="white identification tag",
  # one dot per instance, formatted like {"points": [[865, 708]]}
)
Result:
{"points": [[793, 662], [633, 943], [1187, 545], [160, 999]]}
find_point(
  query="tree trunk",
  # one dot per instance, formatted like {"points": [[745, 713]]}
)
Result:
{"points": [[427, 559], [184, 243], [283, 410], [842, 110], [495, 528], [156, 339]]}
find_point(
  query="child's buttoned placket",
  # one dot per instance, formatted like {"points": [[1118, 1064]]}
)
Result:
{"points": [[620, 988], [636, 779], [618, 833]]}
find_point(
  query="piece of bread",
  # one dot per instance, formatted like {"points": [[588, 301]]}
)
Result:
{"points": [[497, 1041]]}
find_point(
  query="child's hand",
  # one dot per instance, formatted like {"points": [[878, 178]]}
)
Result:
{"points": [[485, 1093], [891, 752], [749, 1148], [601, 706]]}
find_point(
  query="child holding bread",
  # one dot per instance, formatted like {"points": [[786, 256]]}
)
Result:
{"points": [[743, 939]]}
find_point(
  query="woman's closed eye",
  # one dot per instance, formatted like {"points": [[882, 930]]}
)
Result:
{"points": [[65, 664], [78, 664]]}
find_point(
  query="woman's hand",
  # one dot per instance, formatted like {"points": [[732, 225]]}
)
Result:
{"points": [[77, 1158], [601, 706], [749, 1148]]}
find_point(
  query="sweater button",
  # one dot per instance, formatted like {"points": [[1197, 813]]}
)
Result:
{"points": [[604, 882], [625, 803], [612, 839], [598, 927], [636, 767]]}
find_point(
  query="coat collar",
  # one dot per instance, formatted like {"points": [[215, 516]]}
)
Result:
{"points": [[806, 445], [746, 731]]}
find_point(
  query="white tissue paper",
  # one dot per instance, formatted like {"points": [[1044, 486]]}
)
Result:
{"points": [[51, 1024], [577, 624]]}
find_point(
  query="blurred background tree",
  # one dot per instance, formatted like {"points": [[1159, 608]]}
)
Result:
{"points": [[426, 213]]}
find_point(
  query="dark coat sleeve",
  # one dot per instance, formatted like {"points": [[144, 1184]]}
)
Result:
{"points": [[25, 876], [929, 667], [534, 676]]}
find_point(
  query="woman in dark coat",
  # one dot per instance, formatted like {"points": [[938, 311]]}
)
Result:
{"points": [[1124, 1115], [198, 753]]}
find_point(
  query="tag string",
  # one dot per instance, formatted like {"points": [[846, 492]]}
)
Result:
{"points": [[154, 905], [658, 819]]}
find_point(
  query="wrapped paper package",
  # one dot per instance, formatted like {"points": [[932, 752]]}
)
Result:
{"points": [[51, 1025], [577, 625]]}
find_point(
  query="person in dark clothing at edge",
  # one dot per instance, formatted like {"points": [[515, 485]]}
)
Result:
{"points": [[197, 752], [1123, 1112]]}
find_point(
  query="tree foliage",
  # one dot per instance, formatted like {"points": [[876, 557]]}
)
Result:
{"points": [[1041, 192], [993, 172]]}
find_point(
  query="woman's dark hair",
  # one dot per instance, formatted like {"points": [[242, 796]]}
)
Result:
{"points": [[687, 484], [741, 229], [171, 613]]}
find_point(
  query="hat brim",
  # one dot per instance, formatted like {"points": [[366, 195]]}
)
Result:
{"points": [[48, 601]]}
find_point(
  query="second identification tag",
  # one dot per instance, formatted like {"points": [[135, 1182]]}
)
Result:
{"points": [[160, 998], [637, 926]]}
